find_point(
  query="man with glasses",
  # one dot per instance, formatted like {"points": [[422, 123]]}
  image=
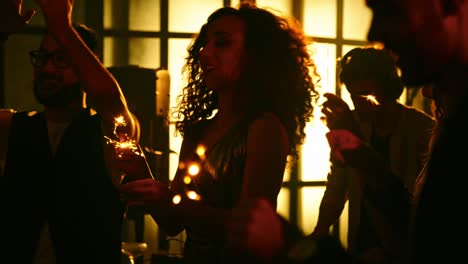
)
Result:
{"points": [[58, 202]]}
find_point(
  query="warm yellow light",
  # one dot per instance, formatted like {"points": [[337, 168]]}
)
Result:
{"points": [[375, 45], [201, 151], [176, 199], [193, 195], [119, 120], [187, 180], [181, 165], [193, 169], [372, 99]]}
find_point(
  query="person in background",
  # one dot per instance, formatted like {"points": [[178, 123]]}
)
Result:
{"points": [[396, 138], [249, 95], [59, 204], [430, 39]]}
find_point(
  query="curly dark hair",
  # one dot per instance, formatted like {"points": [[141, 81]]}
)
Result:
{"points": [[280, 74], [370, 63]]}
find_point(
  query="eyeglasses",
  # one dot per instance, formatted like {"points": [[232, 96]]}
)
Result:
{"points": [[39, 59]]}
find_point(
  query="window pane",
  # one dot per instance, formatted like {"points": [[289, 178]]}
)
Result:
{"points": [[287, 171], [177, 54], [235, 3], [324, 55], [19, 72], [309, 204], [356, 20], [115, 51], [283, 8], [144, 52], [315, 163], [113, 48], [79, 11], [114, 10], [283, 203], [189, 16], [320, 18], [145, 15]]}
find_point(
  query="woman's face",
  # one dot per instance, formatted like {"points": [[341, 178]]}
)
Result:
{"points": [[223, 56]]}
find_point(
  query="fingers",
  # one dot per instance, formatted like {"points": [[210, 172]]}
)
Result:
{"points": [[137, 185], [144, 192], [335, 103], [336, 113], [137, 189]]}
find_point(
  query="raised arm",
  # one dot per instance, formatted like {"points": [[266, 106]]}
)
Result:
{"points": [[98, 83]]}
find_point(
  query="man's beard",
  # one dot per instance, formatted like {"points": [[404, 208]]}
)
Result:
{"points": [[61, 95]]}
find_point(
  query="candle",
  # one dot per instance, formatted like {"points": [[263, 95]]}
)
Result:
{"points": [[163, 83]]}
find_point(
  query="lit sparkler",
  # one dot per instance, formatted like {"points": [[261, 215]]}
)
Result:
{"points": [[372, 99], [126, 148]]}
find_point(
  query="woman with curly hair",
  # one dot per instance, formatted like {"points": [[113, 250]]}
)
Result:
{"points": [[249, 95]]}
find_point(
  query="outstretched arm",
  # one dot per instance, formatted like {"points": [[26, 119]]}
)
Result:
{"points": [[266, 154], [98, 82]]}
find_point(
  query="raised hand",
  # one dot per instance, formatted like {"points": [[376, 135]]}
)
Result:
{"points": [[12, 18], [338, 115], [57, 13]]}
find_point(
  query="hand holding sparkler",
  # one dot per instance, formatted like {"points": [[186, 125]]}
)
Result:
{"points": [[338, 115], [152, 193], [129, 157]]}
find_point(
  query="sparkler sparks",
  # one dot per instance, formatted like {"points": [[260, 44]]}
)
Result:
{"points": [[128, 149], [124, 146], [372, 99]]}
